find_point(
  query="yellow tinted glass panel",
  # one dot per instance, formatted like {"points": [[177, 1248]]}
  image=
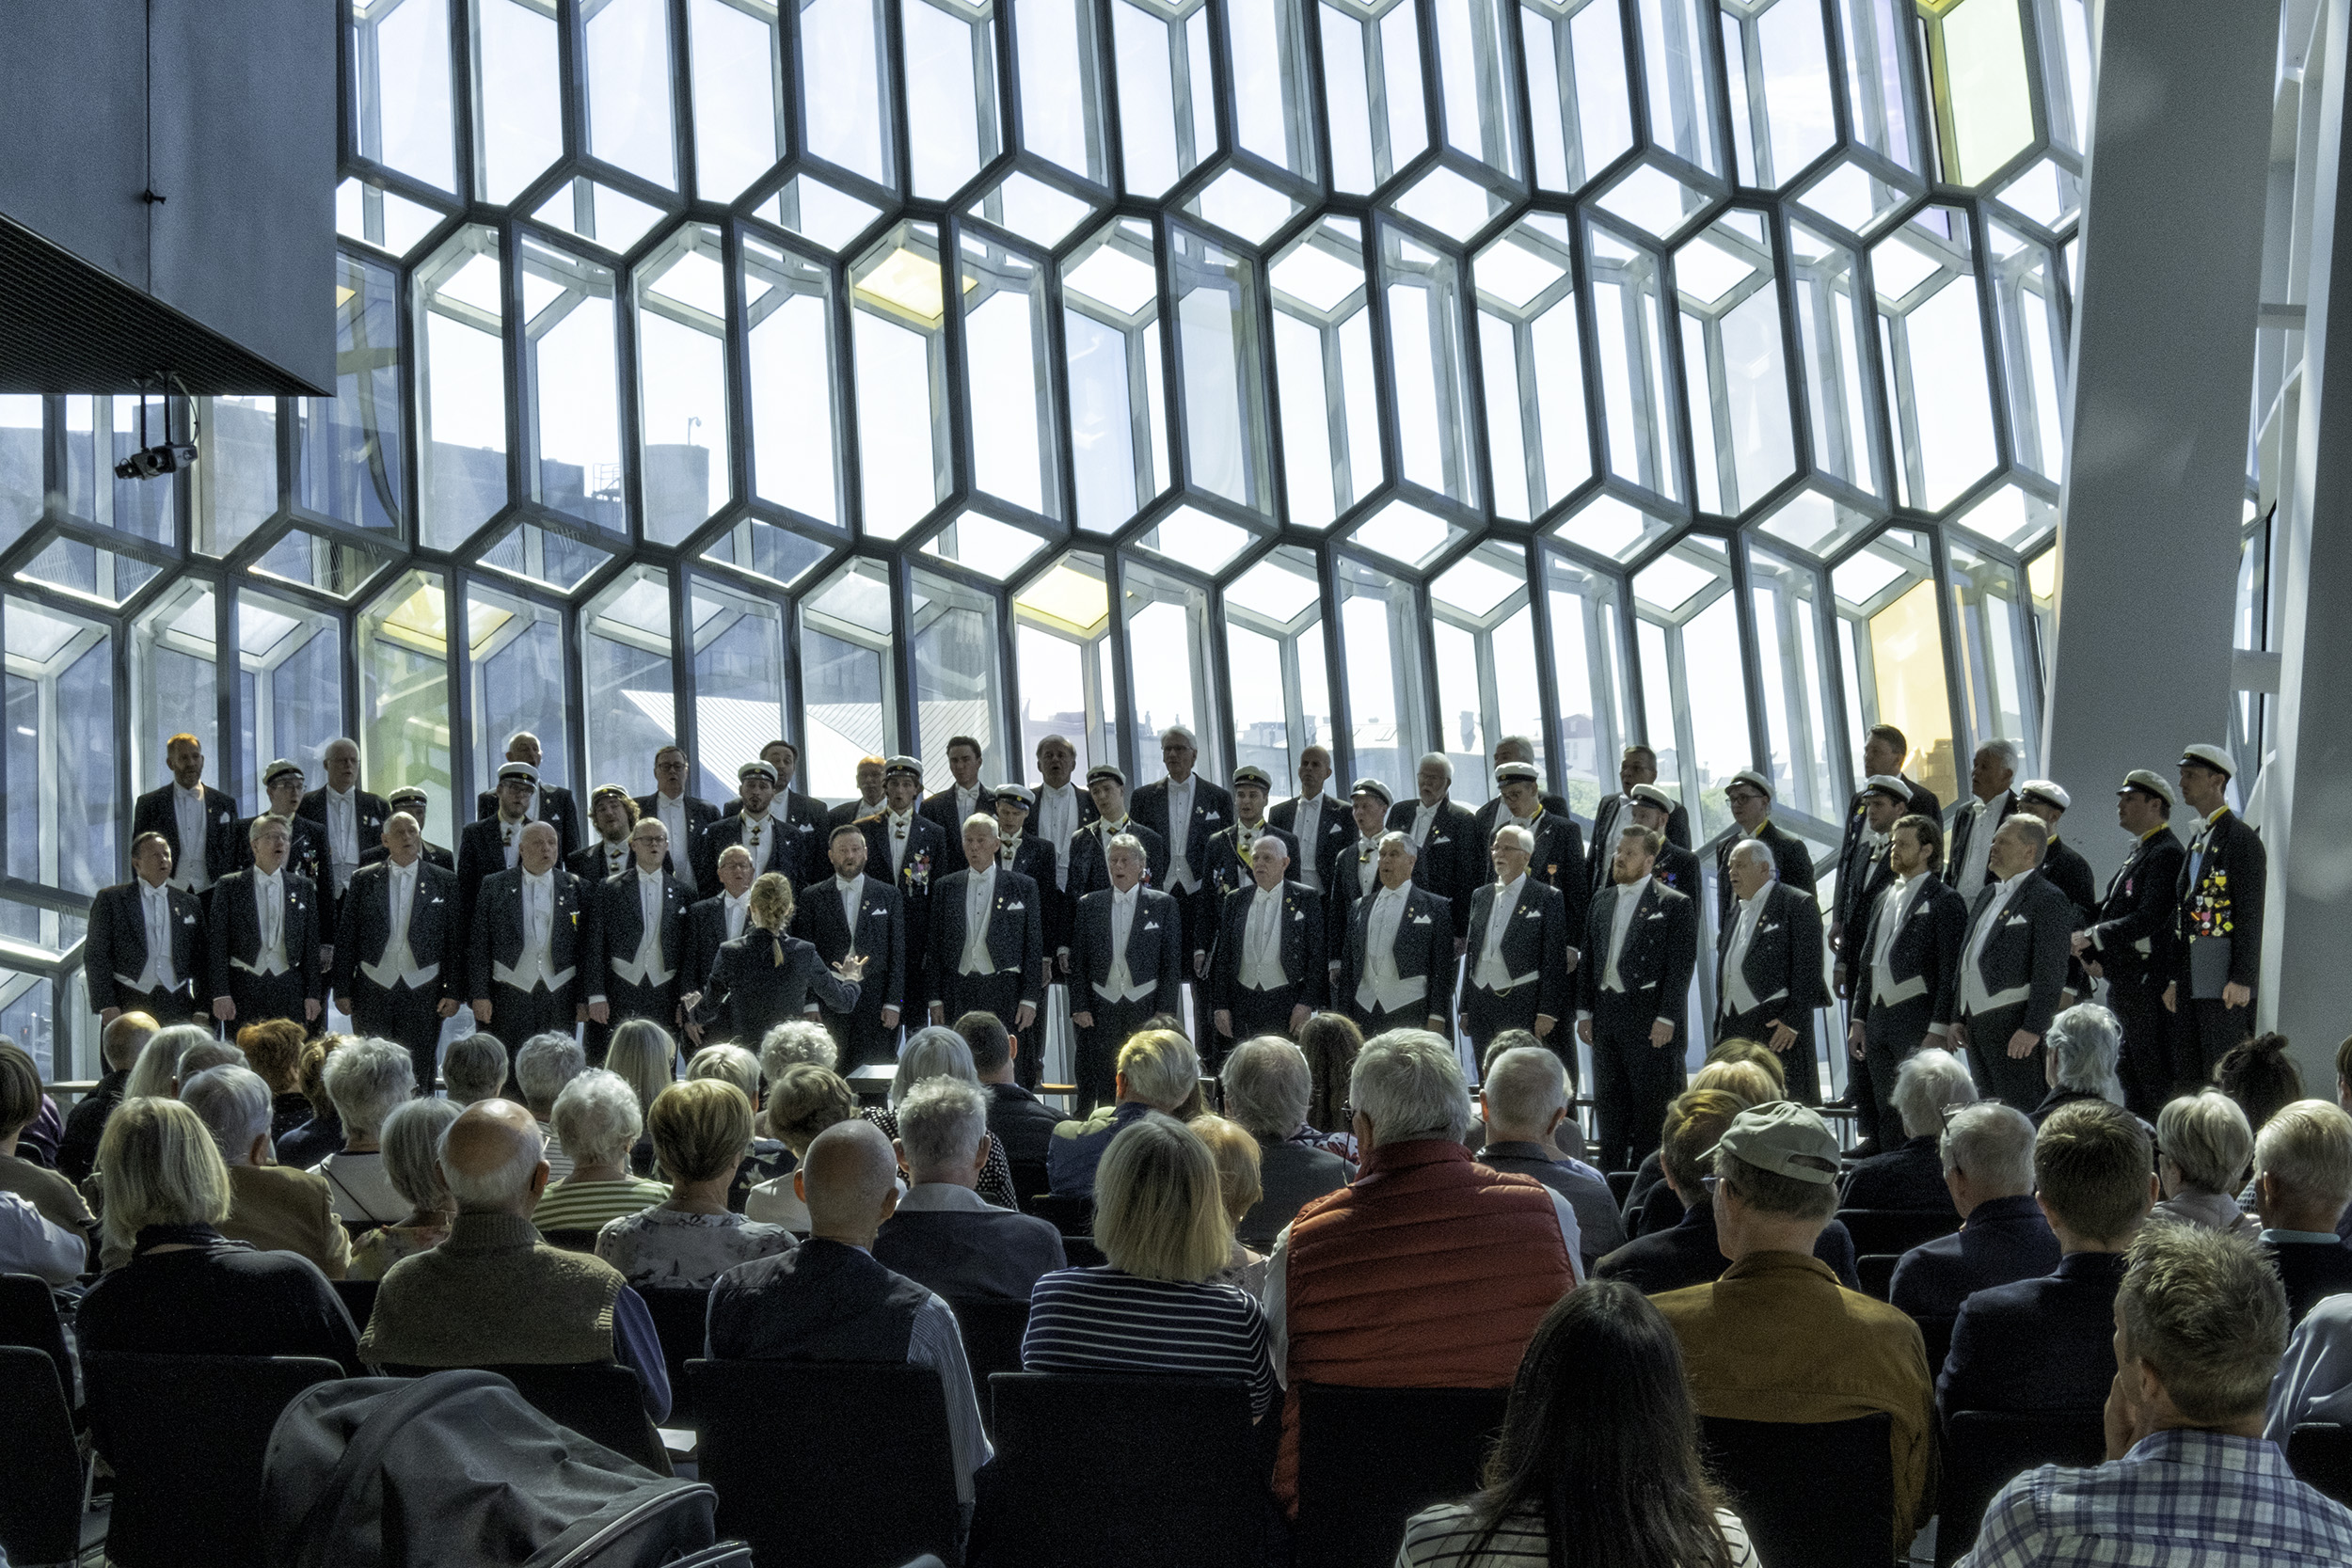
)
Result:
{"points": [[1983, 92], [1907, 656]]}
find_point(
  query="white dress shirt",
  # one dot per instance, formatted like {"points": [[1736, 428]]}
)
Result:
{"points": [[1621, 921], [1974, 997], [1367, 866], [851, 888], [343, 836], [1262, 941], [1422, 817], [1056, 821], [967, 803], [1119, 983], [1969, 877], [1307, 827], [645, 967], [979, 902], [1382, 987], [269, 903], [1894, 906], [671, 809], [901, 825], [1490, 972], [187, 812], [398, 966], [617, 858], [156, 914], [734, 908], [1181, 875], [1736, 996], [761, 835], [536, 965], [510, 834]]}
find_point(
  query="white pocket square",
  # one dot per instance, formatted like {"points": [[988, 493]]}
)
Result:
{"points": [[1016, 904], [2014, 920], [1296, 914], [187, 920], [1421, 920], [1151, 925]]}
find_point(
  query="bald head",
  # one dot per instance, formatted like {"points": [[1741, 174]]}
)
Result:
{"points": [[537, 846], [491, 1159], [850, 1180]]}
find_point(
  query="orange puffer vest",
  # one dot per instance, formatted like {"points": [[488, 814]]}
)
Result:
{"points": [[1430, 1272]]}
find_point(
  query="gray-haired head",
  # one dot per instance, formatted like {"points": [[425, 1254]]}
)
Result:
{"points": [[1520, 747], [796, 1041], [1267, 1087], [2208, 1140], [1756, 850], [1526, 1088], [158, 1067], [2013, 756], [1516, 836], [929, 1053], [366, 1079], [597, 1119], [1181, 734], [235, 1105], [941, 1123], [1403, 841], [474, 1068], [1408, 1083], [1930, 1082], [2084, 1043], [1992, 1144], [1125, 844], [1437, 759], [412, 1152], [544, 1066], [204, 1055]]}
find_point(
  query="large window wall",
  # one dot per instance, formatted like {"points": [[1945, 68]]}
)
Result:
{"points": [[1390, 375]]}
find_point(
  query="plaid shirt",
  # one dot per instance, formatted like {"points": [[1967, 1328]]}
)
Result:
{"points": [[2190, 1499]]}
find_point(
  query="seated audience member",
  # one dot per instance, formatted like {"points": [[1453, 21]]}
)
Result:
{"points": [[944, 1234], [43, 1188], [494, 1295], [1687, 1253], [544, 1067], [1777, 1338], [323, 1134], [203, 1057], [1450, 1314], [644, 1056], [1157, 1071], [1524, 1100], [1567, 1140], [2260, 1077], [700, 1130], [597, 1119], [1598, 1454], [120, 1043], [2203, 1146], [1022, 1124], [1929, 1085], [272, 1208], [2078, 1059], [188, 1291], [797, 1040], [2302, 1181], [766, 1158], [2198, 1325], [474, 1068], [367, 1079], [803, 1100], [2314, 1381], [1156, 1306], [1239, 1187], [829, 1300], [156, 1072], [31, 1243], [1987, 1153], [1651, 1205], [939, 1052], [412, 1160], [1329, 1041], [2042, 1344], [37, 1139], [272, 1048], [1267, 1085]]}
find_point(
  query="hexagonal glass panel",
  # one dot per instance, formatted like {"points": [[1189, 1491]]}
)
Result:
{"points": [[236, 481], [1998, 673], [982, 544], [1576, 81], [1056, 63], [628, 80], [1218, 358], [682, 384], [1323, 370], [404, 694], [626, 677], [366, 212], [290, 671], [1166, 621], [958, 672], [1422, 289], [1609, 525], [516, 667], [518, 88], [1686, 634], [1450, 202], [1195, 538], [1652, 199], [1588, 668], [401, 107], [739, 680], [65, 823], [1832, 336], [1282, 706], [1630, 331], [850, 691], [1735, 370], [1410, 535], [1818, 524], [1380, 647], [2046, 191], [734, 51], [461, 372], [1855, 196], [174, 659], [1006, 385], [1982, 79], [87, 571], [1063, 648], [1932, 341], [814, 209], [1789, 120], [1787, 600], [598, 213], [1483, 638], [1531, 347], [327, 565], [1243, 206], [1478, 82], [1372, 83], [790, 325], [767, 550], [349, 449], [20, 462], [1117, 393], [844, 86], [1678, 71], [952, 121], [571, 396], [1891, 647], [2013, 517], [544, 556], [2033, 325], [1268, 62], [1166, 101], [1022, 204], [1881, 72], [898, 325]]}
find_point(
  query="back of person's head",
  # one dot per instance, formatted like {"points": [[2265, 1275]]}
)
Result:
{"points": [[1778, 1160], [204, 1056], [645, 1056], [941, 1125], [315, 1056], [597, 1119], [700, 1129], [272, 1048], [367, 1079], [729, 1064], [1929, 1083], [1158, 1213], [412, 1152], [1525, 1090], [931, 1053], [1750, 1083], [2344, 1067], [990, 1040], [1239, 1184], [2306, 1148], [233, 1102], [2259, 1076], [1159, 1068], [805, 1100], [1267, 1087], [474, 1068], [1694, 1124], [1333, 1037], [490, 1153], [1167, 1022], [2085, 1042], [2207, 1138], [848, 1180], [796, 1039], [159, 1060], [1504, 1039], [1991, 1143], [544, 1066], [123, 1040], [1408, 1083], [2203, 1311], [2091, 1166], [20, 1090], [1600, 1440], [161, 1168], [1755, 1054]]}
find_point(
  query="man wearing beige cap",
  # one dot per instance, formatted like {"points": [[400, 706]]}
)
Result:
{"points": [[1776, 1337], [2129, 943], [2218, 926]]}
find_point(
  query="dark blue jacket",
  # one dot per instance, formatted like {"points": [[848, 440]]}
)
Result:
{"points": [[1910, 1176], [2004, 1240], [1070, 1158], [970, 1253], [1687, 1254], [2039, 1344], [820, 1302]]}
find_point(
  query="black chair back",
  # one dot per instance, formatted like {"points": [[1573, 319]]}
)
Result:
{"points": [[185, 1435], [1070, 1215], [2321, 1453], [1066, 1442], [1369, 1459], [1771, 1472], [1986, 1449], [1936, 1332], [1029, 1181], [601, 1400], [570, 1241], [40, 1506], [993, 1332], [28, 1317], [1894, 1231], [881, 1486], [1876, 1270], [679, 1317], [359, 1300], [1621, 1184]]}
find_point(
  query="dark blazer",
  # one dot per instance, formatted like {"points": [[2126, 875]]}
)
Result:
{"points": [[2005, 1240], [363, 926], [985, 1253], [480, 855], [115, 941], [929, 856], [1791, 858], [1676, 867], [2067, 871], [590, 862], [727, 831], [748, 992], [154, 812], [1661, 951], [1850, 844], [1450, 860], [1928, 947], [1784, 954], [848, 811], [1156, 947], [1686, 1253], [497, 929], [368, 820], [2226, 900], [1212, 810], [2311, 1271], [620, 926], [1335, 830], [700, 814], [1956, 855], [2029, 951], [939, 809], [1019, 1121], [1090, 873], [1302, 944], [1288, 1174], [1610, 821], [705, 933], [1038, 860], [1424, 946], [1857, 900], [555, 805], [2134, 925], [1342, 886], [432, 854], [1227, 872], [1535, 942], [1910, 1176], [2039, 1344], [881, 935], [1016, 932], [235, 930]]}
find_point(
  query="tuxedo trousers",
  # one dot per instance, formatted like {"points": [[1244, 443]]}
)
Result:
{"points": [[998, 992], [517, 1015], [2203, 1032], [622, 1002], [2014, 1079], [1633, 1081], [1255, 1013], [1890, 1034], [1486, 1014], [859, 1032], [1097, 1067], [165, 1008], [1805, 1073], [409, 1016], [262, 997], [2145, 1064]]}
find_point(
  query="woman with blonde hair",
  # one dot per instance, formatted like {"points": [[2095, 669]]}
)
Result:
{"points": [[765, 978], [1239, 1188], [645, 1056], [803, 1100], [700, 1129]]}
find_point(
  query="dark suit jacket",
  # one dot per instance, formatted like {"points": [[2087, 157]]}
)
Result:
{"points": [[748, 992], [1910, 1176], [881, 935], [1451, 859], [1662, 948], [591, 864], [1016, 932], [2005, 1240], [2029, 950], [1849, 851], [1424, 946], [1288, 1174], [1089, 872], [700, 814], [1019, 1121], [1679, 868], [1928, 947], [1791, 858], [939, 807], [1335, 830], [1302, 944], [480, 855], [556, 805], [308, 854], [368, 820], [1857, 900], [2071, 875], [2227, 899], [619, 925], [1999, 809], [1341, 887], [1535, 942], [116, 940], [497, 930], [848, 811], [706, 932], [784, 856], [2311, 1271], [1784, 954], [1156, 947], [1228, 872], [1038, 860], [154, 812], [363, 927], [929, 856], [1488, 815], [1610, 821], [2139, 907], [432, 854], [1212, 810], [2039, 1344], [235, 930], [984, 1254], [1558, 862]]}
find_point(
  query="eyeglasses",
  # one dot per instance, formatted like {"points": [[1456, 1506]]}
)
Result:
{"points": [[1707, 1184]]}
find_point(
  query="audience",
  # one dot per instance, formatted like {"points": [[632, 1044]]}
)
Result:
{"points": [[544, 1067], [644, 1056], [1156, 1306], [44, 1189], [2260, 1077], [942, 1233], [803, 1099], [2203, 1146], [1652, 1205], [156, 1071], [1524, 1101], [493, 1293], [597, 1119], [766, 1158], [1567, 1139], [2302, 1181], [2315, 1381], [2080, 1052], [323, 1134], [932, 1052], [700, 1129], [1930, 1084], [1777, 1338], [272, 1048], [202, 1057], [1157, 1071], [119, 1044], [30, 1244], [830, 1300], [412, 1160], [1239, 1187], [2041, 1344], [1598, 1459], [1267, 1087], [1987, 1155], [2199, 1323], [1329, 1041], [367, 1080], [273, 1208], [473, 1069], [797, 1040], [1467, 1259], [187, 1289], [1021, 1123]]}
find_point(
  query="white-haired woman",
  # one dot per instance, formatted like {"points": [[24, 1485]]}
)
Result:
{"points": [[939, 1053], [412, 1159], [2078, 1058], [597, 1119], [368, 1079], [1931, 1085], [2204, 1147]]}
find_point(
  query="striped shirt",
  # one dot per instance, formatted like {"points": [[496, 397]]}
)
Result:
{"points": [[569, 1205], [1441, 1537], [1101, 1320]]}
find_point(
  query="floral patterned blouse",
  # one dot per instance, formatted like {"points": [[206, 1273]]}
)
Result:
{"points": [[668, 1249]]}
